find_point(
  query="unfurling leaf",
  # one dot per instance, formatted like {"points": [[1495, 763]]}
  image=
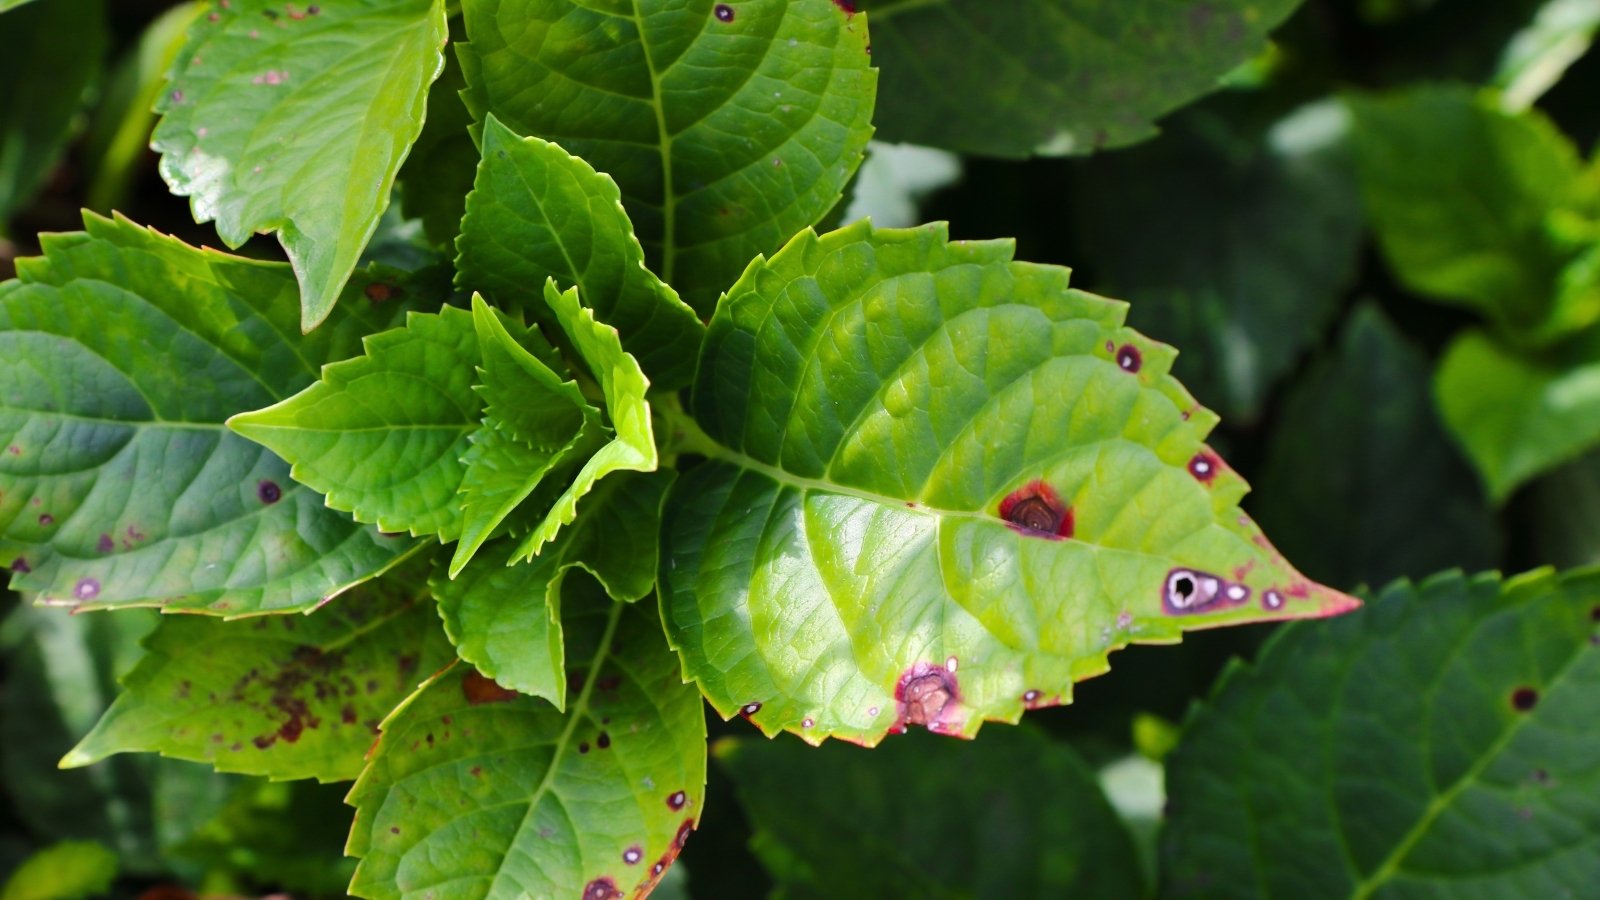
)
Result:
{"points": [[122, 352], [943, 486], [490, 793], [296, 121]]}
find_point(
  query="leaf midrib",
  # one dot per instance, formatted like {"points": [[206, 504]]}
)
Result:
{"points": [[669, 198]]}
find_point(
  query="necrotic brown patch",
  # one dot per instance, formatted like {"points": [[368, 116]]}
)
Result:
{"points": [[1035, 509], [478, 690], [924, 694]]}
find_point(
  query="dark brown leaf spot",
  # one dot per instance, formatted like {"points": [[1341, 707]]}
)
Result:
{"points": [[46, 520], [601, 889], [479, 690], [1035, 510], [1129, 359], [749, 709], [923, 693], [1524, 699], [724, 12], [20, 566], [1204, 466], [603, 741], [269, 492], [677, 799], [632, 855]]}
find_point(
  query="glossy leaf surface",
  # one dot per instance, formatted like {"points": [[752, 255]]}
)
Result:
{"points": [[295, 120], [728, 127], [122, 352], [282, 696], [1052, 77], [943, 487], [1439, 743], [1023, 818], [538, 212], [478, 790]]}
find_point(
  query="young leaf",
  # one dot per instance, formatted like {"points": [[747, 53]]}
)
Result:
{"points": [[727, 126], [1053, 77], [383, 434], [1359, 442], [633, 446], [1025, 818], [490, 793], [1462, 196], [122, 352], [943, 487], [537, 212], [505, 618], [1517, 415], [281, 696], [54, 51], [1440, 743], [270, 109]]}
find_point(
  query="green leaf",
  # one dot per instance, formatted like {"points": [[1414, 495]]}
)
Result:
{"points": [[122, 352], [6, 5], [67, 870], [382, 435], [482, 792], [903, 431], [538, 212], [725, 133], [505, 618], [1361, 483], [1233, 239], [1465, 199], [1516, 415], [1440, 743], [633, 446], [1538, 55], [282, 696], [55, 51], [296, 121], [1023, 818], [1053, 77]]}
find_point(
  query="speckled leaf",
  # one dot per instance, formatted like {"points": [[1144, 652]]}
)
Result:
{"points": [[484, 793], [383, 434], [1361, 482], [538, 212], [727, 126], [1467, 200], [1053, 76], [282, 696], [121, 354], [1520, 415], [295, 119], [1231, 238], [1441, 743], [1024, 818], [943, 487], [632, 446]]}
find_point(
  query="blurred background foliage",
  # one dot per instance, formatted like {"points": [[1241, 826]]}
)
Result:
{"points": [[1375, 246]]}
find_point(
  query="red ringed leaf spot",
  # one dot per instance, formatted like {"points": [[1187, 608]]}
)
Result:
{"points": [[924, 695], [86, 589], [601, 889], [603, 741], [480, 690], [658, 868], [105, 544], [872, 711], [1524, 699], [1272, 600], [1129, 359], [724, 12], [951, 664], [1030, 699], [807, 722], [749, 709], [1187, 591], [682, 837], [20, 566], [1035, 510], [1204, 466], [378, 292], [269, 492], [583, 746], [677, 799], [632, 855], [46, 520]]}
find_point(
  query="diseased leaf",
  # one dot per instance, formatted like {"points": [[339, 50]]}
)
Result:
{"points": [[942, 488], [482, 792], [728, 127], [296, 120], [1012, 815], [1467, 200], [1232, 239], [67, 870], [53, 51], [632, 446], [536, 213], [122, 352], [1518, 415], [383, 434], [1361, 483], [1053, 77], [281, 696], [1440, 743]]}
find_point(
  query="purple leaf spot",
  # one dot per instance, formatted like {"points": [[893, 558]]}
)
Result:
{"points": [[601, 889], [1129, 359], [724, 12], [1034, 509], [677, 799], [269, 492], [87, 589], [1524, 699]]}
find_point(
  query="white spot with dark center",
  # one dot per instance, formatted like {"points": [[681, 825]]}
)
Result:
{"points": [[1274, 599], [1237, 592]]}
